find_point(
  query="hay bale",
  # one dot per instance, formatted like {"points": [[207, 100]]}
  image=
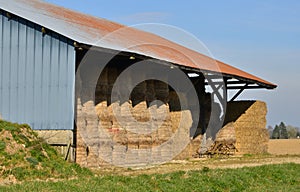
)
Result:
{"points": [[174, 102], [150, 93], [250, 126], [159, 117], [161, 91], [191, 149], [227, 134]]}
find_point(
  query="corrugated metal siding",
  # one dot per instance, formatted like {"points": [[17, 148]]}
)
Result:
{"points": [[37, 75]]}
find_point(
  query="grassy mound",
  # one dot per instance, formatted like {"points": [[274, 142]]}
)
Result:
{"points": [[24, 156]]}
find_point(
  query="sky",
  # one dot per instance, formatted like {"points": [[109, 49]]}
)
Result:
{"points": [[259, 37]]}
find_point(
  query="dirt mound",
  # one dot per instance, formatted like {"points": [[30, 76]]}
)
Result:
{"points": [[24, 156]]}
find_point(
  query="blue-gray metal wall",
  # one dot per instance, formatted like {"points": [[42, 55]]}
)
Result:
{"points": [[37, 75]]}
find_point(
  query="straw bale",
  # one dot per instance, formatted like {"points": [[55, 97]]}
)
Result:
{"points": [[161, 91], [174, 102], [227, 133], [150, 93], [163, 118], [191, 149], [246, 123]]}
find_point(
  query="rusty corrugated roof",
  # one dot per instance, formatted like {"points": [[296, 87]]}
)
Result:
{"points": [[94, 31]]}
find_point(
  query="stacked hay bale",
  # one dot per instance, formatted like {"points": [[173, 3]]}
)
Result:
{"points": [[86, 123], [107, 132], [191, 150], [245, 123], [227, 134], [251, 133]]}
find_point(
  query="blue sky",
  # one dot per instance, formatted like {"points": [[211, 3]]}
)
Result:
{"points": [[261, 37]]}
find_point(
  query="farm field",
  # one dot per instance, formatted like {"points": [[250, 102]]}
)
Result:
{"points": [[284, 146]]}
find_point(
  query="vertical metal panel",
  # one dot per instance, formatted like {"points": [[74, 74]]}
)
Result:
{"points": [[37, 75]]}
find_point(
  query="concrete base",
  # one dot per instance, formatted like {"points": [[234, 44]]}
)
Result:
{"points": [[62, 140]]}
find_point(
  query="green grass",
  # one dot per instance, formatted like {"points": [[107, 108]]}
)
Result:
{"points": [[284, 177], [25, 157]]}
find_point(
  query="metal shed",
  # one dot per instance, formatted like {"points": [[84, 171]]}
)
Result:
{"points": [[37, 75], [38, 70], [40, 47]]}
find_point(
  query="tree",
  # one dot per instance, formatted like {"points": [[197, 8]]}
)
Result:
{"points": [[298, 132], [270, 130], [275, 134], [280, 132], [283, 134], [292, 131]]}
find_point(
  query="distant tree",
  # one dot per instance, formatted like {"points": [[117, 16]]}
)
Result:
{"points": [[298, 134], [270, 130], [276, 132], [292, 131], [270, 127], [280, 132], [283, 132]]}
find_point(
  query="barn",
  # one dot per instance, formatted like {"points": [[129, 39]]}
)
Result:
{"points": [[105, 93]]}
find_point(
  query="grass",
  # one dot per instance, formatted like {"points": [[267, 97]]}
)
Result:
{"points": [[283, 177], [24, 156]]}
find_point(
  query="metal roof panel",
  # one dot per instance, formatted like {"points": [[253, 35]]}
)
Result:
{"points": [[95, 31]]}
